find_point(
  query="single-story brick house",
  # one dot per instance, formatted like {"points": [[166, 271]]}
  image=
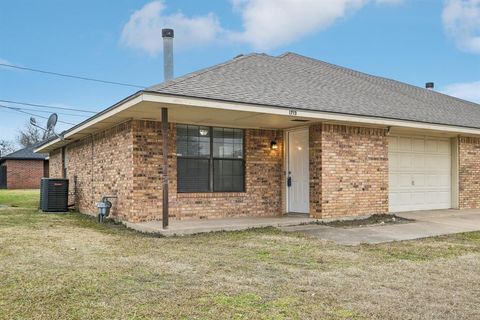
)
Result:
{"points": [[262, 136], [23, 169]]}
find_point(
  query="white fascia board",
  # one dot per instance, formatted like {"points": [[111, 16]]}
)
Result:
{"points": [[320, 115]]}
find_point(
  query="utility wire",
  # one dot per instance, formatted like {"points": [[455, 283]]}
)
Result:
{"points": [[32, 114], [46, 111], [71, 76], [47, 106]]}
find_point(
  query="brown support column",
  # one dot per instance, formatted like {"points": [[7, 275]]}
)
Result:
{"points": [[64, 175], [165, 167]]}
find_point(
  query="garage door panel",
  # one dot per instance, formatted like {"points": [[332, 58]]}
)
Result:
{"points": [[444, 147], [404, 180], [419, 173], [418, 180], [393, 180], [433, 180], [404, 144], [418, 198], [393, 143], [401, 198], [418, 145], [405, 161], [418, 162], [431, 146], [444, 181]]}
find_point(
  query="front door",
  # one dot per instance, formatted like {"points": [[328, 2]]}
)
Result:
{"points": [[298, 171]]}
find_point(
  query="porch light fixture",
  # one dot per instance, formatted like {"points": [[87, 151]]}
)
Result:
{"points": [[274, 145], [203, 132]]}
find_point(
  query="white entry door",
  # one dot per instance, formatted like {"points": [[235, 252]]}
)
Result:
{"points": [[419, 173], [298, 171]]}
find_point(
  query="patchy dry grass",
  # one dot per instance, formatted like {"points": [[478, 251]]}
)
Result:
{"points": [[68, 267]]}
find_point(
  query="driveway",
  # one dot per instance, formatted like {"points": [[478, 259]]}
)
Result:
{"points": [[427, 224]]}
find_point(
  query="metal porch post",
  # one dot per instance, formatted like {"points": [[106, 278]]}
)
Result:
{"points": [[165, 167]]}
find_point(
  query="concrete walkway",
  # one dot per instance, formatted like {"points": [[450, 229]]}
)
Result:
{"points": [[185, 227], [427, 224]]}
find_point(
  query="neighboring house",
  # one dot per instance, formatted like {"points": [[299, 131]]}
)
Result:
{"points": [[263, 136], [23, 169]]}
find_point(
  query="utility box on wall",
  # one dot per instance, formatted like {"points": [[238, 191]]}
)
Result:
{"points": [[54, 195]]}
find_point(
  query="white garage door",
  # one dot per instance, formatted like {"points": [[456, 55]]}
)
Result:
{"points": [[419, 173]]}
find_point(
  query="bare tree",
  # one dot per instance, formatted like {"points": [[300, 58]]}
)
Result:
{"points": [[29, 135], [6, 147]]}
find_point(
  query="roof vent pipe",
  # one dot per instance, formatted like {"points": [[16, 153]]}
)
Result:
{"points": [[429, 85], [167, 35]]}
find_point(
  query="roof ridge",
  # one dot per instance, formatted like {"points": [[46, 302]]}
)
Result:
{"points": [[194, 74], [369, 76]]}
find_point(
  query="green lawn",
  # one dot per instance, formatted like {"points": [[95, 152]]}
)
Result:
{"points": [[20, 198], [66, 266]]}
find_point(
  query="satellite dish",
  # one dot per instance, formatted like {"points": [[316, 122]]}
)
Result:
{"points": [[52, 121]]}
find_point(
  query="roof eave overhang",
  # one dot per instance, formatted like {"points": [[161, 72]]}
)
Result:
{"points": [[118, 107], [171, 99]]}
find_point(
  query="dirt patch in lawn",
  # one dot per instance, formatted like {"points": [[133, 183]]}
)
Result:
{"points": [[373, 220]]}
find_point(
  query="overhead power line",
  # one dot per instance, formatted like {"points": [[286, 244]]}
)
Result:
{"points": [[46, 111], [72, 76], [32, 114], [47, 106]]}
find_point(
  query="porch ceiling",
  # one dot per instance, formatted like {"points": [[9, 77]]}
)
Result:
{"points": [[148, 110], [212, 116]]}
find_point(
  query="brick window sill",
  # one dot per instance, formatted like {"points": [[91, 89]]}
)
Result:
{"points": [[204, 195]]}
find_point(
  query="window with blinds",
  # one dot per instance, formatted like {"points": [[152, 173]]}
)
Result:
{"points": [[210, 159]]}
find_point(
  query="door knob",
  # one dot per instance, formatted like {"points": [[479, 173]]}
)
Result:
{"points": [[289, 181]]}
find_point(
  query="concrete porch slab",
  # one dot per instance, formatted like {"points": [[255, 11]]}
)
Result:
{"points": [[426, 224], [193, 226]]}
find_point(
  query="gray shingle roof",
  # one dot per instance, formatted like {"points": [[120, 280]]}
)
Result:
{"points": [[295, 81], [25, 154]]}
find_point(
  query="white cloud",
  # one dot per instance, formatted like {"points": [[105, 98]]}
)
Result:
{"points": [[144, 29], [461, 20], [272, 23], [468, 91], [267, 24]]}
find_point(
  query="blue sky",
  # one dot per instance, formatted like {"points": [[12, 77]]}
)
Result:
{"points": [[413, 41]]}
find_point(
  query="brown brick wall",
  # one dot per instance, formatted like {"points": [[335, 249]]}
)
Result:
{"points": [[469, 172], [103, 167], [127, 161], [263, 182], [55, 164], [263, 179], [315, 166], [354, 171], [147, 170], [24, 174]]}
